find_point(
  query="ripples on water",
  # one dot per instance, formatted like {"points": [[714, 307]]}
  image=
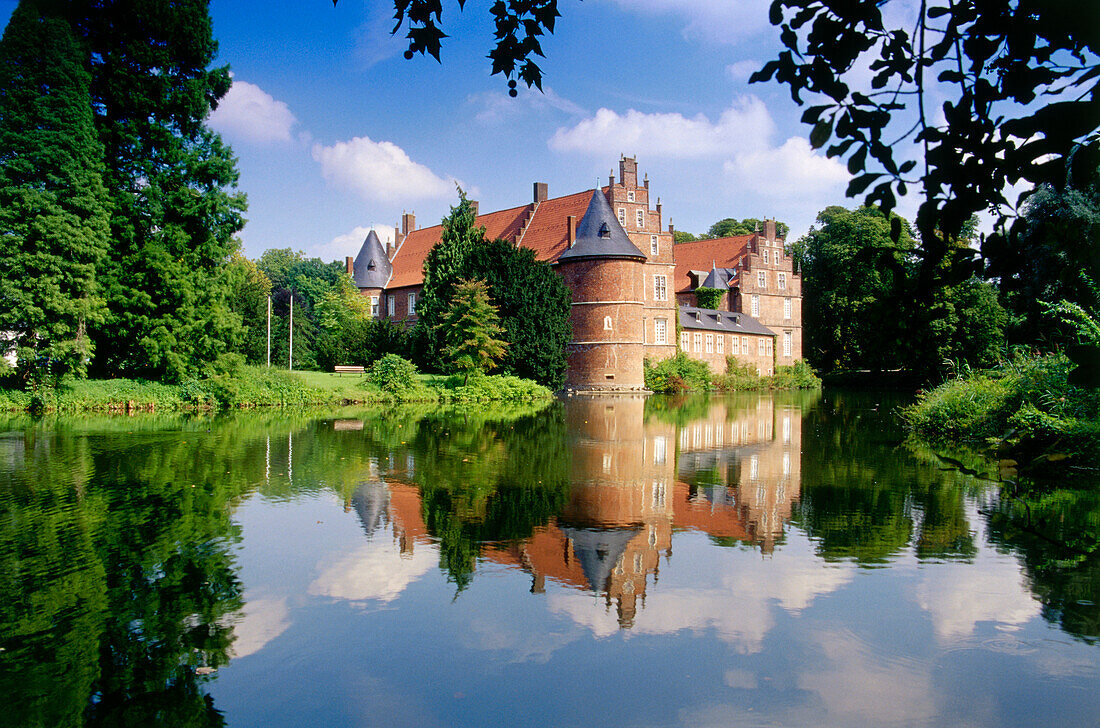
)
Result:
{"points": [[748, 560]]}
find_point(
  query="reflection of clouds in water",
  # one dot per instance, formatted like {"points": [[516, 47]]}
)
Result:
{"points": [[523, 643], [261, 621], [990, 588], [376, 570], [738, 607]]}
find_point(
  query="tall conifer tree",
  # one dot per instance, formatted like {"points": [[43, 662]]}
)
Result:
{"points": [[172, 184], [53, 204]]}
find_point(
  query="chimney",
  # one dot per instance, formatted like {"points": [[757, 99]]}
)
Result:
{"points": [[628, 171], [542, 191], [349, 266], [611, 179], [408, 222], [475, 207], [572, 223], [390, 247], [658, 206], [647, 180], [769, 230]]}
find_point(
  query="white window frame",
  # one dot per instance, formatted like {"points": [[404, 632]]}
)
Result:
{"points": [[760, 346], [607, 326], [660, 330], [786, 343], [762, 279], [786, 308], [653, 245], [710, 343], [720, 344], [412, 304], [697, 341], [660, 288], [768, 346], [630, 195], [685, 341], [745, 345], [374, 306], [765, 256], [640, 218], [622, 216], [781, 281], [754, 303], [391, 305]]}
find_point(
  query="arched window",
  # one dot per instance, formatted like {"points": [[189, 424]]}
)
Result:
{"points": [[607, 323]]}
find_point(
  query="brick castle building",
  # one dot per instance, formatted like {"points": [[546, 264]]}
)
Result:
{"points": [[626, 278]]}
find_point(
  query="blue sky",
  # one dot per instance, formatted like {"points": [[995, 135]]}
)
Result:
{"points": [[336, 132]]}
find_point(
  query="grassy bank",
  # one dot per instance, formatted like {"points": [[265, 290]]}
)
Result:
{"points": [[261, 387], [1024, 410], [681, 373]]}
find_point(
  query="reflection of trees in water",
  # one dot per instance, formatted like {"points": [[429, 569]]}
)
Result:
{"points": [[1057, 533], [118, 579], [483, 480]]}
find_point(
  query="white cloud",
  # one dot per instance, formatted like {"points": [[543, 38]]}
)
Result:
{"points": [[375, 571], [350, 242], [717, 21], [745, 126], [741, 70], [792, 170], [250, 114], [380, 171], [261, 621]]}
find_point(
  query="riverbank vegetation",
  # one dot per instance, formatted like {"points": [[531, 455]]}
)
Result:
{"points": [[681, 373]]}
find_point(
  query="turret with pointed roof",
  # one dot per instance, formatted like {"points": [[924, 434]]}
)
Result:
{"points": [[372, 268], [603, 269]]}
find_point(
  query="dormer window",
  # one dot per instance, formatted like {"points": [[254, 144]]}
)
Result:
{"points": [[605, 231], [630, 196], [371, 265]]}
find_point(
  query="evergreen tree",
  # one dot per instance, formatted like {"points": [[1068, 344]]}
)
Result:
{"points": [[471, 327], [53, 204], [171, 183]]}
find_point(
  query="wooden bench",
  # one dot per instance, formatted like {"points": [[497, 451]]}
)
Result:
{"points": [[348, 370]]}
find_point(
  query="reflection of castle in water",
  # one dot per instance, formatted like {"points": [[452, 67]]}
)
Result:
{"points": [[732, 472]]}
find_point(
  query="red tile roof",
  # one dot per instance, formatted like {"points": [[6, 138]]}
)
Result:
{"points": [[547, 234], [703, 254]]}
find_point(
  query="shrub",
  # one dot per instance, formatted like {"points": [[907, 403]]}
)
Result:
{"points": [[393, 374], [739, 376], [680, 373], [796, 376]]}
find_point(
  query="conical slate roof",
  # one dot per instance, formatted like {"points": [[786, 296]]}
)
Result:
{"points": [[372, 265], [600, 235], [598, 550]]}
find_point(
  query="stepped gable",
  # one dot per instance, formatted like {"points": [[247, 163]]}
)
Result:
{"points": [[372, 265], [599, 235], [705, 255]]}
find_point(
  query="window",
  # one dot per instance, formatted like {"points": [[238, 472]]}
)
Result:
{"points": [[374, 306], [710, 343], [660, 288], [622, 216], [786, 343], [653, 245], [641, 219], [762, 279], [786, 308], [684, 341], [698, 339], [781, 281], [412, 304], [630, 196], [765, 256], [661, 329], [607, 323], [755, 305], [760, 346], [744, 345], [721, 343], [768, 346], [391, 305]]}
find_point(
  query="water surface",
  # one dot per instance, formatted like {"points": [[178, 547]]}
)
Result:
{"points": [[743, 560]]}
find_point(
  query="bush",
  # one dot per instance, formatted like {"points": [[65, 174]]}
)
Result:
{"points": [[796, 376], [739, 376], [500, 387], [393, 374], [1025, 406], [680, 373]]}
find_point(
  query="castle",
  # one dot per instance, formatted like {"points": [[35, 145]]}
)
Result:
{"points": [[632, 289]]}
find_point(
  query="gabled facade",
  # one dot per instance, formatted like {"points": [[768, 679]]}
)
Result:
{"points": [[637, 291]]}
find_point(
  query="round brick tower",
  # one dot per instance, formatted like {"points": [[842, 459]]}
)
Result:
{"points": [[603, 269]]}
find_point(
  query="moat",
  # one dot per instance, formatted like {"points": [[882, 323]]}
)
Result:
{"points": [[742, 560]]}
